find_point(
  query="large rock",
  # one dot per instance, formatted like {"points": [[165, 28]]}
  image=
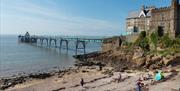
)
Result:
{"points": [[155, 60]]}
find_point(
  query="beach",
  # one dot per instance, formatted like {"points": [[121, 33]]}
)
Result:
{"points": [[96, 80], [115, 70]]}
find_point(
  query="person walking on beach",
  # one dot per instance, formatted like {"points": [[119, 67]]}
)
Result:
{"points": [[82, 82], [119, 78]]}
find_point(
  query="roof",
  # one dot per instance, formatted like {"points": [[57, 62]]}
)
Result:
{"points": [[137, 14], [133, 14]]}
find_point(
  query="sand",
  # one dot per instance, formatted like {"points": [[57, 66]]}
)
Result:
{"points": [[95, 80]]}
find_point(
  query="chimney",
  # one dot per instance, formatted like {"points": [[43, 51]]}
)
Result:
{"points": [[143, 7]]}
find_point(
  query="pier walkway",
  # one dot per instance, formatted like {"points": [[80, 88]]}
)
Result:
{"points": [[59, 41]]}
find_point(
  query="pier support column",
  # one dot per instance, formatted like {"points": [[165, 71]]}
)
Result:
{"points": [[61, 43], [78, 43], [55, 43], [47, 42], [41, 40]]}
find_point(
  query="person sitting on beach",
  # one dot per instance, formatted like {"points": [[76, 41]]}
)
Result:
{"points": [[159, 76], [82, 82]]}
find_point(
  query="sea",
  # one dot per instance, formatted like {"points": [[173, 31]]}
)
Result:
{"points": [[17, 57]]}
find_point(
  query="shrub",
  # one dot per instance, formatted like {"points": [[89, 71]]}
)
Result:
{"points": [[154, 39], [142, 41], [144, 44], [166, 41], [176, 44], [142, 34]]}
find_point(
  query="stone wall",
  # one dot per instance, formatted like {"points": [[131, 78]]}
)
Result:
{"points": [[178, 29], [141, 23], [132, 37], [112, 43], [161, 18]]}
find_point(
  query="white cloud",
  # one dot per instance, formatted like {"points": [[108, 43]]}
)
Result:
{"points": [[18, 17]]}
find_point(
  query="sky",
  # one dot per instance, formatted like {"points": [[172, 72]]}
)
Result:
{"points": [[69, 17]]}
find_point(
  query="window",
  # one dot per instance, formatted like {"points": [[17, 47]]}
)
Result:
{"points": [[162, 24], [162, 16], [135, 30]]}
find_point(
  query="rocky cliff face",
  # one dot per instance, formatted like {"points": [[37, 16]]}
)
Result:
{"points": [[124, 58]]}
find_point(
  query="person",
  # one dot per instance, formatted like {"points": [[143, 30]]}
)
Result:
{"points": [[139, 84], [120, 77], [159, 76], [100, 67], [82, 82]]}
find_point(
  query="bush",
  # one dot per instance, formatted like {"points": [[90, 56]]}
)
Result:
{"points": [[176, 44], [154, 39], [144, 44], [143, 41], [142, 34], [166, 41]]}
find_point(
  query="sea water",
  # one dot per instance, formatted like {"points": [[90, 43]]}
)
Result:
{"points": [[16, 57]]}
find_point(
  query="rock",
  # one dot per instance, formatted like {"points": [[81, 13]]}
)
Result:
{"points": [[8, 82], [154, 61], [109, 72], [138, 52], [166, 61], [40, 75], [84, 63], [84, 71], [140, 61], [85, 56], [154, 66]]}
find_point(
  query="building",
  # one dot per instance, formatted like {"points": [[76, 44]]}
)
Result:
{"points": [[165, 19]]}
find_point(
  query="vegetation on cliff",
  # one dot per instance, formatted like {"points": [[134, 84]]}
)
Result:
{"points": [[157, 43], [149, 51]]}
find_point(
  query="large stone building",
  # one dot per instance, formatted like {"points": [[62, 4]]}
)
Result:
{"points": [[165, 19]]}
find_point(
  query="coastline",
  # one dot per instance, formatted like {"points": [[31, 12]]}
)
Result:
{"points": [[100, 71], [96, 80]]}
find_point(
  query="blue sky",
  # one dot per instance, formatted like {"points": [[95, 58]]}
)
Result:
{"points": [[68, 17]]}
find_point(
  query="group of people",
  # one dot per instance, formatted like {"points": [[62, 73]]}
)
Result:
{"points": [[139, 83], [157, 77]]}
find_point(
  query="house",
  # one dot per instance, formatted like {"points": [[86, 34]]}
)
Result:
{"points": [[165, 19]]}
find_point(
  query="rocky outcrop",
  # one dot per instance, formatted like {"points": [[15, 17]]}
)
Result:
{"points": [[12, 81], [6, 83], [155, 62], [125, 59], [21, 78]]}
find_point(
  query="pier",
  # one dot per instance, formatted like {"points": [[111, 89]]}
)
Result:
{"points": [[59, 41]]}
